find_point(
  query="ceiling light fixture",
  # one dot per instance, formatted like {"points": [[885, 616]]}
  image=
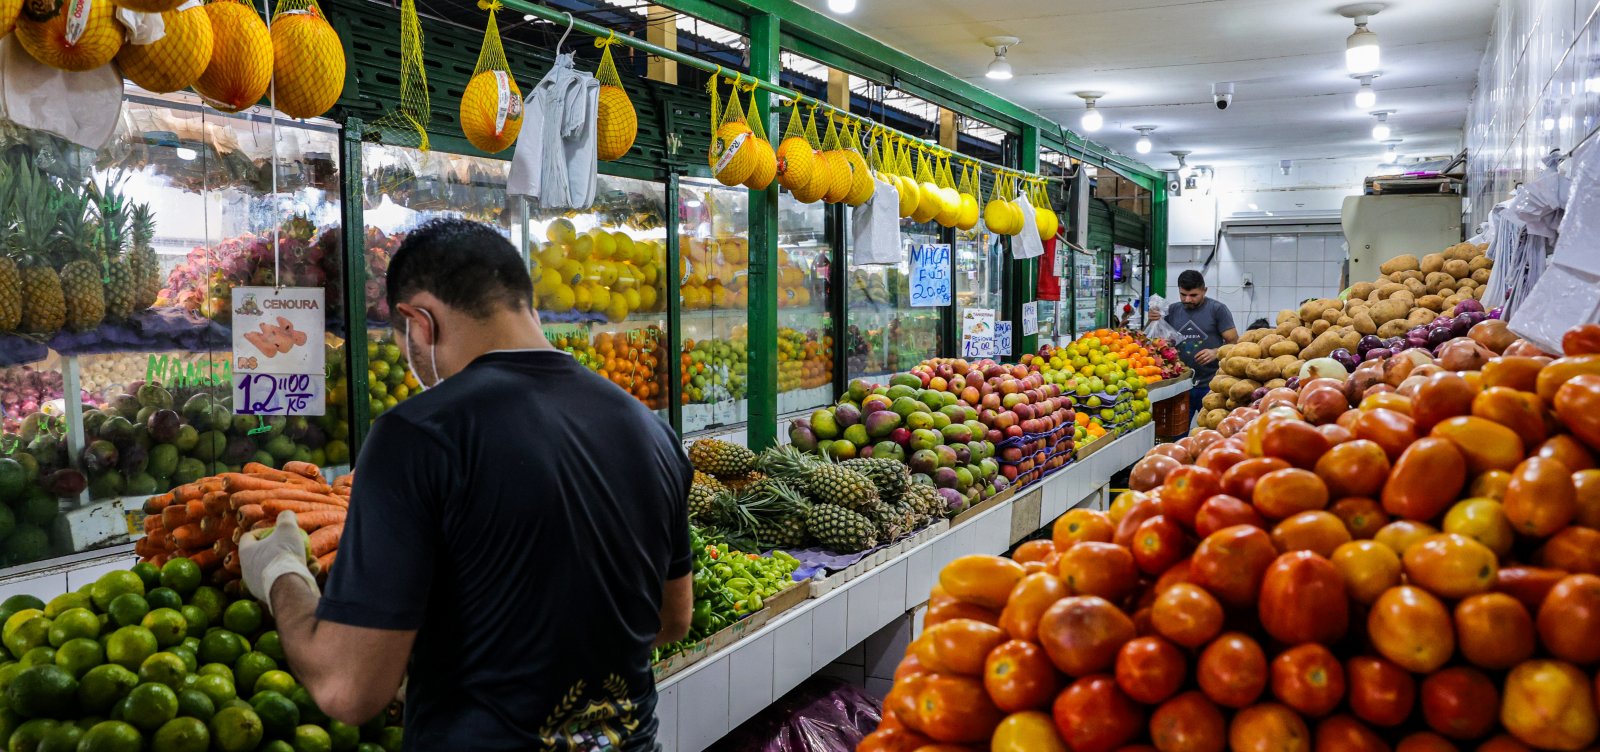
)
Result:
{"points": [[1366, 97], [1381, 130], [842, 6], [999, 67], [1092, 120], [1361, 53], [1183, 163], [1390, 155], [1143, 146]]}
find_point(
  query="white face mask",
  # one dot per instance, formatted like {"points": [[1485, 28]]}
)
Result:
{"points": [[433, 357]]}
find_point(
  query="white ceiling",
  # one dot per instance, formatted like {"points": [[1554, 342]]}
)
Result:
{"points": [[1156, 61]]}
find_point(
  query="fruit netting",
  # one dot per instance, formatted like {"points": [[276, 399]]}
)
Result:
{"points": [[754, 118], [491, 56], [606, 74], [491, 106], [407, 124]]}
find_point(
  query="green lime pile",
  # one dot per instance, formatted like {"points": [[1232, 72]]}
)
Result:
{"points": [[148, 660]]}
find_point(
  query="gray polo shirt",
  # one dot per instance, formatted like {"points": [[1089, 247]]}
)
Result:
{"points": [[1199, 329]]}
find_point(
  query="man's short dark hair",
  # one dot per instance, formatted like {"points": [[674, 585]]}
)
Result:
{"points": [[468, 265], [1191, 280]]}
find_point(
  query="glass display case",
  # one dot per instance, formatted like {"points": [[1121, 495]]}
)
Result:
{"points": [[1128, 280], [805, 318], [1089, 291], [714, 261], [979, 259], [884, 334]]}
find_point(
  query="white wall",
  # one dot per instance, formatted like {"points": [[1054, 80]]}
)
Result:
{"points": [[1285, 268]]}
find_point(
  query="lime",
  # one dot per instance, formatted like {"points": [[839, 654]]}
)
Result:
{"points": [[151, 705], [368, 747], [129, 646], [272, 645], [119, 711], [191, 662], [236, 730], [218, 669], [309, 712], [197, 621], [112, 584], [276, 681], [276, 745], [167, 625], [39, 656], [62, 738], [243, 617], [43, 691], [218, 688], [111, 736], [194, 704], [66, 602], [192, 643], [211, 601], [167, 669], [24, 631], [182, 735], [235, 703], [21, 603], [391, 738], [222, 647], [79, 655], [8, 674], [250, 667], [128, 609], [279, 715], [148, 573], [309, 738], [8, 725], [73, 623], [29, 735], [181, 575], [345, 737], [164, 598], [103, 686]]}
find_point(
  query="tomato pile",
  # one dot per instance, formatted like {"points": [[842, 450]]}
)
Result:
{"points": [[1408, 559]]}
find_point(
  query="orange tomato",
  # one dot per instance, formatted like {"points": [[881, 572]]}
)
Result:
{"points": [[1158, 544], [1303, 600], [1440, 396], [1362, 517], [1222, 511], [1079, 525], [1309, 679], [1427, 477], [1540, 498], [1485, 444], [1083, 634], [1574, 549], [1586, 498], [1150, 669], [1093, 715], [1232, 670], [1296, 442], [1451, 566], [1425, 741], [1341, 733], [980, 579], [1369, 568], [1029, 731], [1019, 676], [1522, 412], [1032, 596], [1185, 489], [1034, 550], [1231, 563], [1529, 585], [1570, 451], [955, 709], [893, 740], [1188, 723], [1569, 619], [1268, 727], [1550, 705], [1409, 626], [1482, 520], [1583, 339], [1187, 615], [1403, 534], [1240, 480], [1490, 485], [1503, 743], [1354, 468], [959, 646], [1103, 569], [945, 608], [1176, 574], [1562, 371], [1390, 430], [1381, 693], [1318, 532], [1518, 372], [1455, 701], [1494, 631]]}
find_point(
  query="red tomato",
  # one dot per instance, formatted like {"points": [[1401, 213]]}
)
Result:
{"points": [[1186, 489], [1030, 731], [1093, 715], [1440, 396], [1222, 511], [1341, 733], [1504, 743], [1583, 339], [1309, 679], [1460, 703], [1231, 563], [1381, 693], [1281, 494], [1529, 585], [1540, 497], [959, 646], [1388, 429], [1426, 479], [955, 709], [893, 740], [1354, 468], [1240, 480], [1318, 532], [1220, 457], [1188, 723], [1412, 628], [1303, 600], [1268, 727], [1034, 550], [1232, 670], [1569, 619], [1079, 525], [1158, 544], [1187, 615], [1103, 569], [1150, 669], [1019, 676], [1029, 600], [1296, 442], [1494, 630], [1082, 634], [943, 608], [1425, 741]]}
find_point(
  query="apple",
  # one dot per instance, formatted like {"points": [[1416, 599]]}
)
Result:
{"points": [[991, 401], [970, 395], [902, 436]]}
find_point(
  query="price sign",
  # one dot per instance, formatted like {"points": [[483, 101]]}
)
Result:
{"points": [[930, 275], [1002, 338], [1030, 318], [977, 333], [278, 353]]}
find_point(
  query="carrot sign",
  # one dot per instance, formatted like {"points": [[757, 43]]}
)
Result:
{"points": [[279, 337], [279, 351]]}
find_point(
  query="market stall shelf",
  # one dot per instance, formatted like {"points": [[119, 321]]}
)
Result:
{"points": [[1165, 389]]}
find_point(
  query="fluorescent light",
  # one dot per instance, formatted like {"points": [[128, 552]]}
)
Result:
{"points": [[1361, 53], [1092, 120], [1381, 132], [1366, 97], [842, 6], [999, 68]]}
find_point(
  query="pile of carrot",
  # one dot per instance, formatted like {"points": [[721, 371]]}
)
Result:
{"points": [[204, 520]]}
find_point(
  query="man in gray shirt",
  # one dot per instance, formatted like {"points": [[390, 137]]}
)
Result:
{"points": [[1203, 325]]}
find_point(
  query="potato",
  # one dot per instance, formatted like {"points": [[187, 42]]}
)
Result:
{"points": [[1345, 321], [1393, 328], [1212, 401], [1420, 317], [1311, 310], [1446, 293], [1231, 403], [1450, 302], [1241, 390], [1320, 325], [1431, 302], [1360, 290], [1460, 252], [1215, 417], [1388, 289], [1465, 284], [1436, 281], [1477, 292], [1331, 315], [1301, 336], [1262, 370], [1349, 339], [1432, 262], [1287, 327], [1403, 263], [1292, 368], [1389, 310], [1481, 276], [1235, 366], [1247, 350], [1365, 324], [1274, 383], [1284, 347], [1480, 262], [1255, 335], [1416, 288], [1271, 339], [1287, 315], [1325, 343], [1404, 277], [1457, 268], [1221, 382]]}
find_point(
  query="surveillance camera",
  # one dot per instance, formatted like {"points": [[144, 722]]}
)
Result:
{"points": [[1222, 94], [1174, 187]]}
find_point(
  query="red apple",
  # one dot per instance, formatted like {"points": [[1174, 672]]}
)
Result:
{"points": [[993, 436]]}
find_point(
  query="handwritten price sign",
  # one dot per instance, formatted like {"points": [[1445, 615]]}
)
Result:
{"points": [[279, 394], [930, 275]]}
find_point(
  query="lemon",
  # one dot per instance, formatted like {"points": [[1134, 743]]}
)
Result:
{"points": [[182, 735], [168, 626], [276, 681], [24, 631], [151, 705], [102, 686], [111, 736], [243, 617], [128, 609], [74, 623], [166, 669], [128, 647], [66, 602], [112, 584], [79, 656], [235, 730]]}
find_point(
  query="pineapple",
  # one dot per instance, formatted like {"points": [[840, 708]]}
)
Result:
{"points": [[744, 481], [889, 476], [777, 513], [10, 278], [36, 204], [926, 500], [81, 282], [721, 458], [701, 493], [835, 484], [121, 287], [889, 523], [785, 462], [142, 259], [839, 529]]}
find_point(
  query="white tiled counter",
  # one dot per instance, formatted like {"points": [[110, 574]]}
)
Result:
{"points": [[1165, 391]]}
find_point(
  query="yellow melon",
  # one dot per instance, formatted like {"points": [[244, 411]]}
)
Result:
{"points": [[949, 208], [817, 186], [1046, 222], [44, 33], [9, 10], [241, 58], [840, 176], [795, 163], [307, 64], [929, 202], [861, 183], [491, 111], [766, 165], [997, 217], [910, 196], [968, 217], [617, 124], [176, 60], [741, 162], [150, 6]]}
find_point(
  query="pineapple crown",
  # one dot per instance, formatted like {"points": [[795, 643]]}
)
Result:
{"points": [[36, 205], [111, 207]]}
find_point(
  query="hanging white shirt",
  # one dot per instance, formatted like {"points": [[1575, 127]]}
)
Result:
{"points": [[556, 158]]}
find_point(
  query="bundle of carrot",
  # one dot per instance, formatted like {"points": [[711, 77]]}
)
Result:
{"points": [[204, 520]]}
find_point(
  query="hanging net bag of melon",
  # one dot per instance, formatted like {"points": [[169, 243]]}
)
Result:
{"points": [[836, 164], [899, 168], [1043, 213], [817, 186], [491, 107], [730, 161], [929, 200], [307, 60], [861, 185], [407, 125], [616, 123], [796, 161], [967, 218], [766, 160], [950, 198], [996, 216]]}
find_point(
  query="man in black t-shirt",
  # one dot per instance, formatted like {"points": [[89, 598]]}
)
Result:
{"points": [[519, 531]]}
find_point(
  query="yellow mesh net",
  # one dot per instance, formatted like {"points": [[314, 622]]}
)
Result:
{"points": [[616, 122], [407, 124], [307, 60], [491, 56], [491, 107], [754, 118], [606, 74]]}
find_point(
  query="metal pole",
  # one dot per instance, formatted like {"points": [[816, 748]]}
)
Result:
{"points": [[762, 427], [354, 236]]}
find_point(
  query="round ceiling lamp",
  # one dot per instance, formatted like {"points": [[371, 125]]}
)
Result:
{"points": [[1000, 67], [1092, 119], [1361, 52]]}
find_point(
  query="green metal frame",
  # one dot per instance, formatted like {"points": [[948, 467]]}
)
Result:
{"points": [[353, 237], [762, 428]]}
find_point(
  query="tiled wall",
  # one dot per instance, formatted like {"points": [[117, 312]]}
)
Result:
{"points": [[1538, 90], [1285, 269]]}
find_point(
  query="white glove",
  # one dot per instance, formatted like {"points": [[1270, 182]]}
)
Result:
{"points": [[281, 553]]}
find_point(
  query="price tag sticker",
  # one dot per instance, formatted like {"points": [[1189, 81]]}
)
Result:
{"points": [[930, 275], [279, 394], [278, 351]]}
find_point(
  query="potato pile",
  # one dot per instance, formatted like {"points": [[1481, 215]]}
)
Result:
{"points": [[1412, 292]]}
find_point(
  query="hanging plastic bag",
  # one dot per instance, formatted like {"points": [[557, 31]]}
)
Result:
{"points": [[766, 160], [616, 122], [491, 106], [1026, 243]]}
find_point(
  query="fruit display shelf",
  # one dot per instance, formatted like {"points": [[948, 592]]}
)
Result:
{"points": [[1171, 387], [703, 702]]}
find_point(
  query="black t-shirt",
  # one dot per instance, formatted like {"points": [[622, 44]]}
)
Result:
{"points": [[523, 516]]}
